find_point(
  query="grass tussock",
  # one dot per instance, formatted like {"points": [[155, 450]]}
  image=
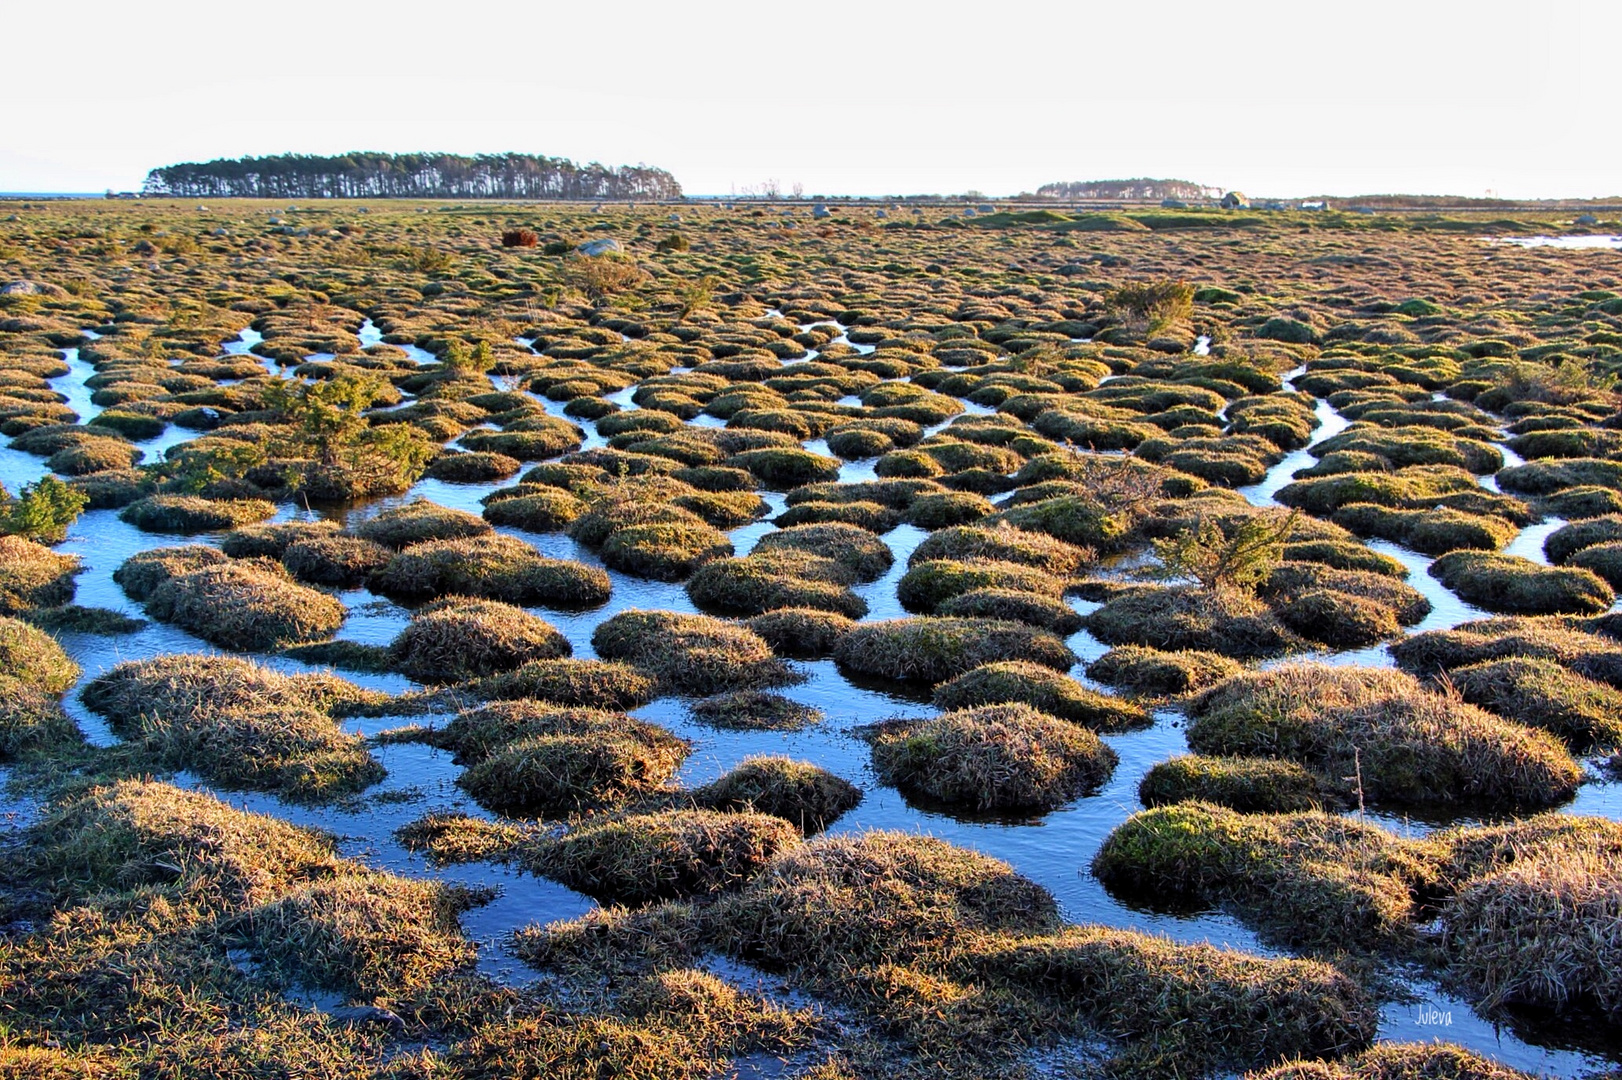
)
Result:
{"points": [[1249, 785], [493, 567], [755, 710], [1041, 688], [1511, 585], [664, 855], [693, 654], [1397, 1061], [191, 514], [247, 607], [594, 684], [805, 795], [33, 576], [418, 522], [992, 757], [238, 724], [1155, 673], [32, 657], [559, 773], [933, 650], [1585, 714], [452, 641], [1405, 744], [801, 632]]}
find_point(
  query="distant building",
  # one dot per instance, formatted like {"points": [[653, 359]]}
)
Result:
{"points": [[1235, 200]]}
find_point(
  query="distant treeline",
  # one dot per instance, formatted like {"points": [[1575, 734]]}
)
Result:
{"points": [[405, 176], [1141, 188]]}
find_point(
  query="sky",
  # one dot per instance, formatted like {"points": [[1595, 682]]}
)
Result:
{"points": [[844, 97]]}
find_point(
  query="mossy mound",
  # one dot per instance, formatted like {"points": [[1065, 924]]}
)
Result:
{"points": [[1155, 673], [801, 632], [33, 658], [191, 514], [454, 640], [591, 683], [872, 516], [1042, 688], [1510, 585], [808, 796], [418, 522], [692, 654], [664, 855], [251, 608], [992, 757], [864, 554], [337, 561], [932, 650], [755, 710], [1249, 785], [33, 576], [1228, 622], [1401, 742], [494, 567]]}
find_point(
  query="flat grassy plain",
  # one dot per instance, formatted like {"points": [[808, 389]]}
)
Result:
{"points": [[900, 642]]}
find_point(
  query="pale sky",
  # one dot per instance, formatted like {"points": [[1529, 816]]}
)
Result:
{"points": [[1516, 97]]}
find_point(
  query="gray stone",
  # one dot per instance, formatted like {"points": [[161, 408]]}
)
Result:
{"points": [[19, 288], [605, 246]]}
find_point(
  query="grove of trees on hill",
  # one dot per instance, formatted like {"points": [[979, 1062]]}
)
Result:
{"points": [[376, 175]]}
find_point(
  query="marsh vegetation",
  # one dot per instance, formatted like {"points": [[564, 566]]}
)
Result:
{"points": [[496, 640]]}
